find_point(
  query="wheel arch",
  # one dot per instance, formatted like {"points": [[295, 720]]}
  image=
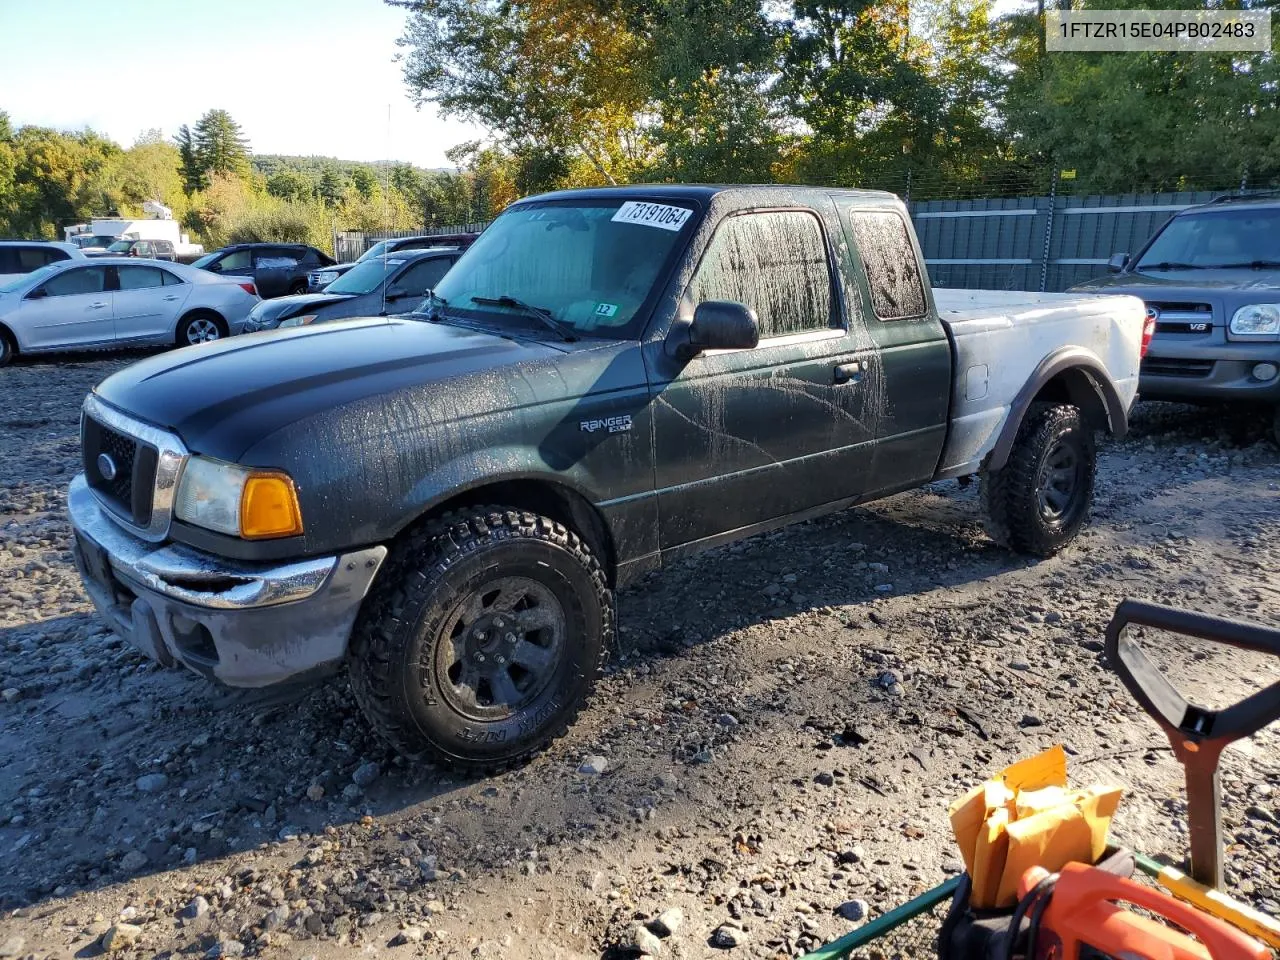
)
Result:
{"points": [[550, 498], [1070, 375], [7, 333]]}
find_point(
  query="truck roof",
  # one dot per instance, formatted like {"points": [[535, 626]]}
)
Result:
{"points": [[705, 191]]}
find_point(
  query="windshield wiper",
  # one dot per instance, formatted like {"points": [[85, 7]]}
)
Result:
{"points": [[1171, 265], [538, 313], [1251, 265]]}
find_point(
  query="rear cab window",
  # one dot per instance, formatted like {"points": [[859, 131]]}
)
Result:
{"points": [[893, 270]]}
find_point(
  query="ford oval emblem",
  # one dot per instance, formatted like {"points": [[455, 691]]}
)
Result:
{"points": [[107, 466]]}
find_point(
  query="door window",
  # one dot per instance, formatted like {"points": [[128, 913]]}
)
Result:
{"points": [[71, 282], [33, 258], [776, 263], [142, 249], [277, 260], [893, 271], [140, 278], [423, 276], [236, 260]]}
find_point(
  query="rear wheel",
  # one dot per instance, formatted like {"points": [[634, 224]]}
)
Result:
{"points": [[1040, 499], [201, 326], [7, 349], [299, 286], [483, 635]]}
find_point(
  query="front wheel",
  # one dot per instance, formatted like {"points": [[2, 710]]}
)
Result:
{"points": [[7, 351], [484, 634], [1040, 499]]}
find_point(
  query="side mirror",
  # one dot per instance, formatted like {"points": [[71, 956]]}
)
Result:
{"points": [[716, 325], [395, 293], [39, 293], [215, 267], [1118, 262]]}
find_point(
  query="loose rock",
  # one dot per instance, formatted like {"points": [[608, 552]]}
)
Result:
{"points": [[120, 936]]}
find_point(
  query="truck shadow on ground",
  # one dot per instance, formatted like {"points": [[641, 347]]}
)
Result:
{"points": [[112, 767]]}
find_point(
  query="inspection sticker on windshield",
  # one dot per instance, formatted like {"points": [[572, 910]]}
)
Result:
{"points": [[652, 215], [606, 310]]}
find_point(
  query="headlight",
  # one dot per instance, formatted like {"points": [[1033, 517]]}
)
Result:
{"points": [[298, 321], [326, 278], [238, 501], [1257, 320]]}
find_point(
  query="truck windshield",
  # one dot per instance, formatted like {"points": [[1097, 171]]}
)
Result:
{"points": [[1218, 238], [590, 264], [364, 277], [120, 246]]}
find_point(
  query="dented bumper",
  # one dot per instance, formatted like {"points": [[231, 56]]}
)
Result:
{"points": [[244, 624]]}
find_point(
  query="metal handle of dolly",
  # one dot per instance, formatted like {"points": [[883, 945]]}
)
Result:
{"points": [[1197, 734]]}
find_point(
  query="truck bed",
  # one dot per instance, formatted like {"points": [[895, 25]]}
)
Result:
{"points": [[1000, 337]]}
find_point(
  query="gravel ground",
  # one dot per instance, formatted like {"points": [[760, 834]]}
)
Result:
{"points": [[771, 754]]}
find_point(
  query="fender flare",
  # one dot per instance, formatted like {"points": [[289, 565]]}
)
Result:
{"points": [[1088, 384]]}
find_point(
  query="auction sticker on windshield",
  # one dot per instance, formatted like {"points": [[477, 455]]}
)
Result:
{"points": [[658, 215]]}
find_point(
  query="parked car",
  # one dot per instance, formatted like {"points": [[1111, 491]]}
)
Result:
{"points": [[19, 257], [318, 280], [396, 283], [276, 268], [607, 380], [1210, 278], [91, 244], [119, 301], [150, 249]]}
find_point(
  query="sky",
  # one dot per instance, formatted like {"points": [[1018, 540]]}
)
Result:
{"points": [[305, 77]]}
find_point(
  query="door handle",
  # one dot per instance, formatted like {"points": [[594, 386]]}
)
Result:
{"points": [[847, 373], [170, 298], [98, 306]]}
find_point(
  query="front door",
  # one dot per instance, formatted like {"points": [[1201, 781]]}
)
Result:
{"points": [[744, 437], [147, 301], [69, 309]]}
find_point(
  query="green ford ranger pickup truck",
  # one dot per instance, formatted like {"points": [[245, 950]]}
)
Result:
{"points": [[445, 502]]}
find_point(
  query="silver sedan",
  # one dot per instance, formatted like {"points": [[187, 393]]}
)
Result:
{"points": [[118, 302]]}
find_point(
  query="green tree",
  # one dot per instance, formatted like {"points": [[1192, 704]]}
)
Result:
{"points": [[560, 77], [194, 174], [1145, 121], [363, 179], [220, 145], [332, 186], [291, 185]]}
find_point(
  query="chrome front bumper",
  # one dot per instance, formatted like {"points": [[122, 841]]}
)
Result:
{"points": [[245, 624]]}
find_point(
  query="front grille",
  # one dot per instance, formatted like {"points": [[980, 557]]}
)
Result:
{"points": [[129, 491], [1177, 316], [1176, 367]]}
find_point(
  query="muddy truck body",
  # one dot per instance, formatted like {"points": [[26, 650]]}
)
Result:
{"points": [[445, 502]]}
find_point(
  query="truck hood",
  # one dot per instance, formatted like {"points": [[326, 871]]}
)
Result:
{"points": [[223, 398], [1185, 282]]}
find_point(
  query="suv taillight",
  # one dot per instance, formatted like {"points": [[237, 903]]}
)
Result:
{"points": [[1148, 331], [248, 287]]}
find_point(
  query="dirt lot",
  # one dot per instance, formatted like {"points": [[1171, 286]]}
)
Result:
{"points": [[779, 734]]}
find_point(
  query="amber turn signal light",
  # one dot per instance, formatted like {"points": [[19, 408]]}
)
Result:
{"points": [[269, 507]]}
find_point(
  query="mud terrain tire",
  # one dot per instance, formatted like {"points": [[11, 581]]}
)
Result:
{"points": [[484, 634], [1040, 499]]}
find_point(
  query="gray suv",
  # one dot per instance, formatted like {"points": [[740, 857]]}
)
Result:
{"points": [[1210, 278]]}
